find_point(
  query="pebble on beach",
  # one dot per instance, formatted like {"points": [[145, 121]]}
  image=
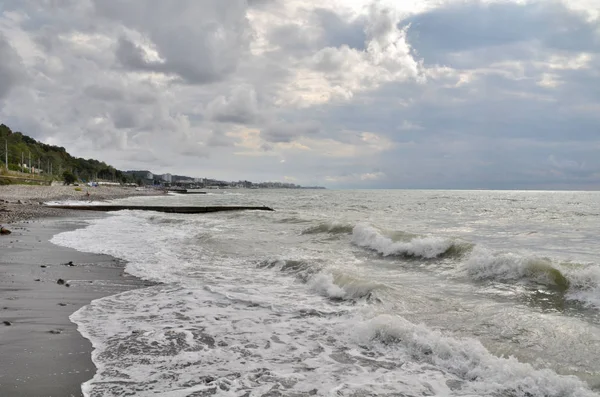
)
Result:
{"points": [[22, 202]]}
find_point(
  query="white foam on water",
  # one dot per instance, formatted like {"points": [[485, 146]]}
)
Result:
{"points": [[323, 283], [487, 264], [424, 247], [222, 325], [176, 341], [586, 285], [581, 282], [480, 372], [75, 202]]}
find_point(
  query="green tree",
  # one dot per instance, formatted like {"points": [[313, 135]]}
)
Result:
{"points": [[68, 177]]}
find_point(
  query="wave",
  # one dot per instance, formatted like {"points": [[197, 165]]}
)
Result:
{"points": [[479, 372], [329, 228], [579, 282], [343, 287], [157, 219], [75, 202], [416, 247], [329, 283], [575, 282], [293, 220], [302, 269], [484, 265]]}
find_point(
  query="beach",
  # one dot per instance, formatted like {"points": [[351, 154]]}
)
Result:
{"points": [[453, 293], [22, 202], [42, 284]]}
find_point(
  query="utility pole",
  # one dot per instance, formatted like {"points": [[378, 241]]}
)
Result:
{"points": [[30, 162], [21, 161], [6, 154]]}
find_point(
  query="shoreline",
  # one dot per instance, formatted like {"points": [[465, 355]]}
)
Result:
{"points": [[24, 202], [41, 351]]}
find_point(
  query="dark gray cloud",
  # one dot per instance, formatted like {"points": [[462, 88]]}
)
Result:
{"points": [[218, 138], [281, 131], [104, 93], [327, 28], [124, 117], [11, 69], [498, 30], [204, 45], [240, 107], [339, 30]]}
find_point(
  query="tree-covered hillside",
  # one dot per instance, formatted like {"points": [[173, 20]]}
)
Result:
{"points": [[27, 155]]}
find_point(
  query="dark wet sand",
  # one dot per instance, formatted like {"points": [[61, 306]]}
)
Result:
{"points": [[33, 360]]}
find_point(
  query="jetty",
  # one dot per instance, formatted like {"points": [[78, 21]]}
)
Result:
{"points": [[161, 208], [185, 191]]}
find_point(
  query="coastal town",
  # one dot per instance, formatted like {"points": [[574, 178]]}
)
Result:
{"points": [[147, 178]]}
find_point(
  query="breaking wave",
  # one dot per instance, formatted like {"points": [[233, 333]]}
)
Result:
{"points": [[329, 228], [580, 282], [416, 247], [302, 269], [577, 282], [484, 264], [478, 371], [344, 287], [328, 283]]}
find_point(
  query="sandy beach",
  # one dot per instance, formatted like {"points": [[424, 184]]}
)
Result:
{"points": [[41, 285]]}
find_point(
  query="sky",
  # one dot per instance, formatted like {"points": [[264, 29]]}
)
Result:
{"points": [[341, 93]]}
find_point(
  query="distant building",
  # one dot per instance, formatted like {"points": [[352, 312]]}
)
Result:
{"points": [[167, 178], [149, 175]]}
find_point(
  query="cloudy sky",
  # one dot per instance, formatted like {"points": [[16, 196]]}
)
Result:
{"points": [[341, 93]]}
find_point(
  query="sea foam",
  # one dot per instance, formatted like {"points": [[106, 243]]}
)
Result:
{"points": [[421, 247]]}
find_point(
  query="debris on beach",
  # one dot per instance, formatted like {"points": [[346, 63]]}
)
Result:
{"points": [[70, 263], [60, 281], [4, 231], [62, 304], [55, 331], [7, 323]]}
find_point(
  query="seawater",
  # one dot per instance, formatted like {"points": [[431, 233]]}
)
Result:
{"points": [[351, 293]]}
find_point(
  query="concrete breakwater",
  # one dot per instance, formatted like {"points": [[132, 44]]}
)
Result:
{"points": [[169, 209]]}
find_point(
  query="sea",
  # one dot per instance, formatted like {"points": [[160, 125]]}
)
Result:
{"points": [[350, 293]]}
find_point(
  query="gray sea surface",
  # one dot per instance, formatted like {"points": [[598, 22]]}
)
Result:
{"points": [[351, 293]]}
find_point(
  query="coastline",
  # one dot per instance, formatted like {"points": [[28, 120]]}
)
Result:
{"points": [[23, 202], [41, 351]]}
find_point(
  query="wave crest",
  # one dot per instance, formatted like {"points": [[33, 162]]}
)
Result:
{"points": [[416, 247], [329, 283], [329, 228], [483, 264], [343, 287], [481, 372]]}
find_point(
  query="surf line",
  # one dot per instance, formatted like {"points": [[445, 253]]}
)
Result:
{"points": [[161, 208]]}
